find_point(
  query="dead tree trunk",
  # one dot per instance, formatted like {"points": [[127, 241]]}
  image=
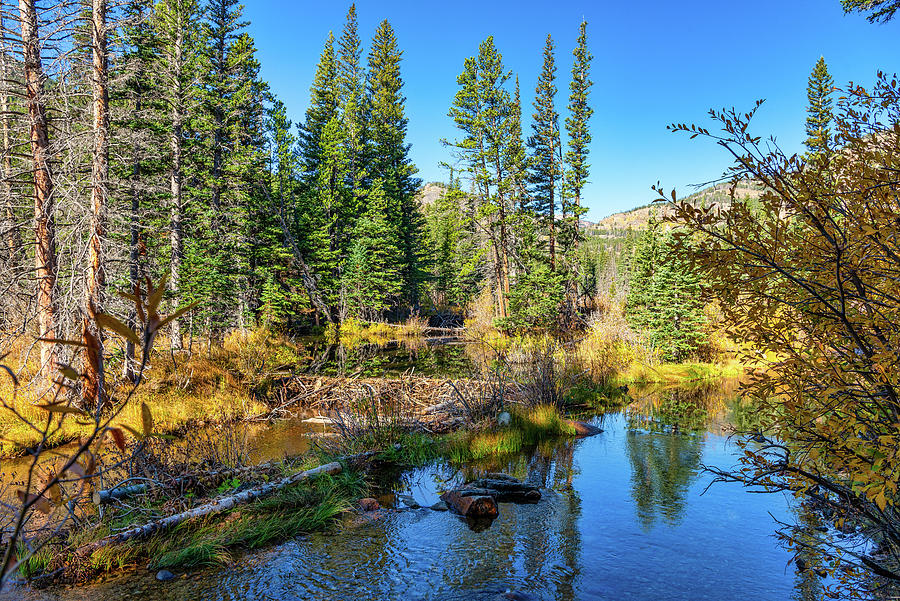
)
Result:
{"points": [[93, 391], [12, 239], [175, 179], [44, 219]]}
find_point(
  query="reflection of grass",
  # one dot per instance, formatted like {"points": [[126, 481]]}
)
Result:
{"points": [[642, 373], [528, 428]]}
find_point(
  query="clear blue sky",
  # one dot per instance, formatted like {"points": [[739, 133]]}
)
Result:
{"points": [[655, 62]]}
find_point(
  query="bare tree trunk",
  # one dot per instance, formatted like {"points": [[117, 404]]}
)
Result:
{"points": [[44, 220], [94, 389], [12, 238], [134, 255], [176, 183]]}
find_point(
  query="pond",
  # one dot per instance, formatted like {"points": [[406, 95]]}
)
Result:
{"points": [[624, 515]]}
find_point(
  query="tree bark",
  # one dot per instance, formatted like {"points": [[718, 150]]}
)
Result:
{"points": [[94, 389], [12, 238], [46, 265], [217, 506], [175, 180]]}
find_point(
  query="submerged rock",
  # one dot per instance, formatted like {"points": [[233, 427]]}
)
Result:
{"points": [[473, 506], [409, 501], [164, 575], [585, 429], [518, 596], [504, 490], [369, 504], [440, 506]]}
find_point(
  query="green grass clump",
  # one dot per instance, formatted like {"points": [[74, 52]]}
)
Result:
{"points": [[212, 539], [528, 428]]}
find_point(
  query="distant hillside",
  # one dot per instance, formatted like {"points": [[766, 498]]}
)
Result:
{"points": [[636, 218], [710, 197]]}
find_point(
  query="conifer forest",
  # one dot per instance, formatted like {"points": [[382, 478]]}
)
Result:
{"points": [[255, 347]]}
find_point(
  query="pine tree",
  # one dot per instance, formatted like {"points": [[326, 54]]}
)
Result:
{"points": [[544, 144], [818, 121], [390, 155], [372, 277], [323, 105], [482, 110], [579, 133], [354, 108]]}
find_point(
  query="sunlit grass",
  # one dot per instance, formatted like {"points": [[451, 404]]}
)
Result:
{"points": [[528, 427]]}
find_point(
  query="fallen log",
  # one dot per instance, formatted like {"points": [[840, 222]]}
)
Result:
{"points": [[482, 506], [217, 506]]}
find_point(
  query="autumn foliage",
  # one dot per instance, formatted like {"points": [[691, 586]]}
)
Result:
{"points": [[809, 276]]}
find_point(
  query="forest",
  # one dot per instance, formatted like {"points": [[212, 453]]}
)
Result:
{"points": [[221, 330]]}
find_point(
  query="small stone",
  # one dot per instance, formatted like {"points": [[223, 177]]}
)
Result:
{"points": [[504, 419], [440, 506], [369, 504], [164, 575], [409, 501]]}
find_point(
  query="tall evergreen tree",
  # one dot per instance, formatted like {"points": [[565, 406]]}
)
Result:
{"points": [[323, 105], [819, 116], [482, 110], [579, 133], [354, 107], [545, 166], [390, 155], [372, 275]]}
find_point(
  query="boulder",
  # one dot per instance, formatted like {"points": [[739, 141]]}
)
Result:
{"points": [[369, 504], [473, 506]]}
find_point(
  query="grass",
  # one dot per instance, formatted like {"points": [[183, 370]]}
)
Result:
{"points": [[212, 540], [670, 373], [528, 427], [222, 385]]}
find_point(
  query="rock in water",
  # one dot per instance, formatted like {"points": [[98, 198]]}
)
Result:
{"points": [[369, 504], [440, 506], [584, 429], [409, 501], [164, 575], [474, 506], [505, 489]]}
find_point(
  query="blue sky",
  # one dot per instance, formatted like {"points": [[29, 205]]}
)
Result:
{"points": [[655, 62]]}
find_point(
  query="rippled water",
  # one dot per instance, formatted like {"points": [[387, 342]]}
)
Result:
{"points": [[624, 516]]}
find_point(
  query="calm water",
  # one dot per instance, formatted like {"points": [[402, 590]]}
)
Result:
{"points": [[623, 517]]}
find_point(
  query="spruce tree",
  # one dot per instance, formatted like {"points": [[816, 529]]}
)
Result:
{"points": [[390, 155], [577, 127], [323, 105], [353, 105], [372, 276], [818, 121], [544, 143]]}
